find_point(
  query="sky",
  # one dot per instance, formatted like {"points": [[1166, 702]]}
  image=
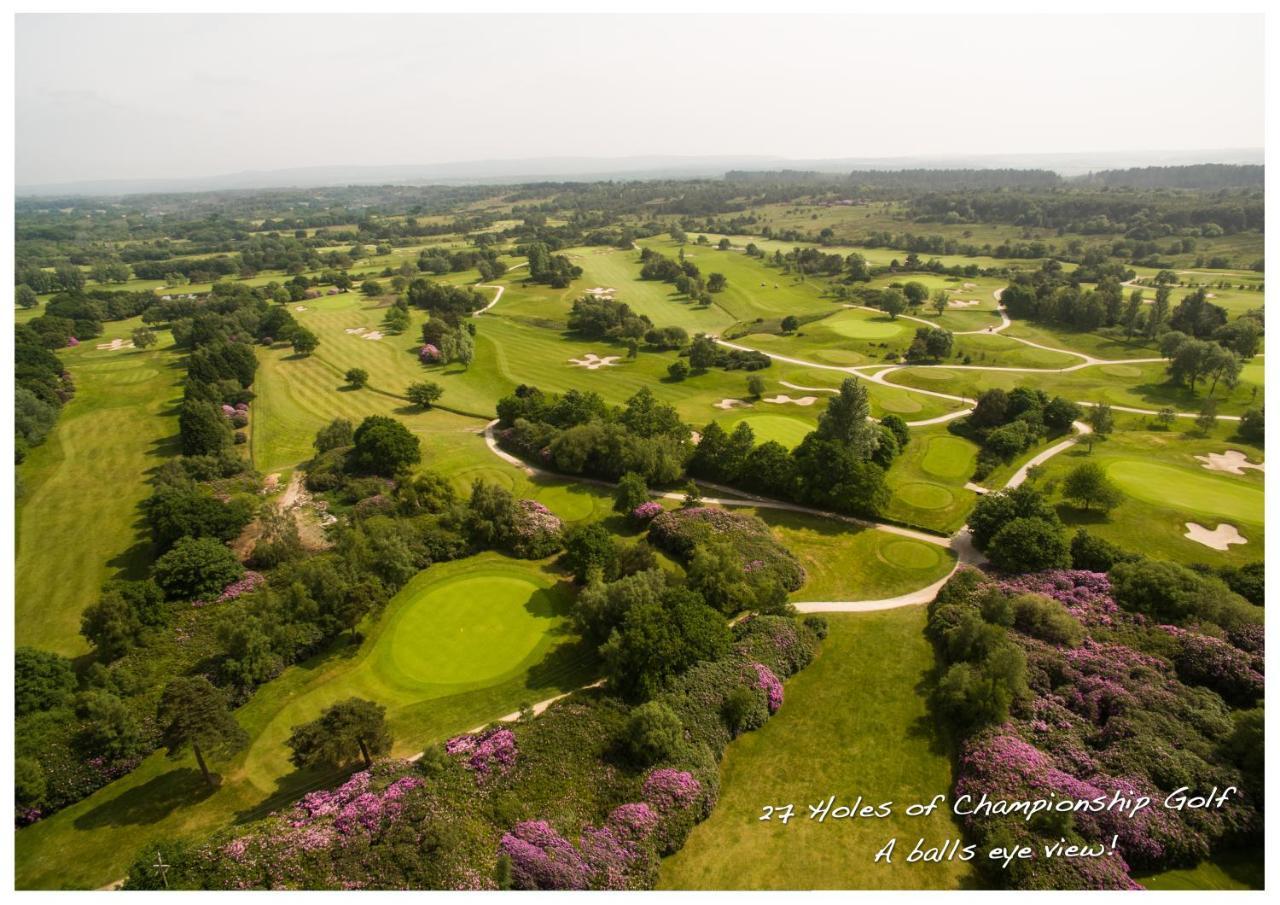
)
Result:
{"points": [[147, 96]]}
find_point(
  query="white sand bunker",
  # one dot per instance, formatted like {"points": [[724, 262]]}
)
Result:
{"points": [[695, 438], [1232, 462], [803, 400], [1219, 538], [600, 290], [961, 303], [116, 344], [727, 404], [372, 334], [355, 330], [591, 361], [299, 307], [970, 286]]}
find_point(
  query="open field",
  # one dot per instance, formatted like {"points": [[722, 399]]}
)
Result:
{"points": [[853, 724], [531, 657], [92, 471]]}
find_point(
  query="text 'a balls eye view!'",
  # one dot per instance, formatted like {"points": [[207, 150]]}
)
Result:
{"points": [[609, 475]]}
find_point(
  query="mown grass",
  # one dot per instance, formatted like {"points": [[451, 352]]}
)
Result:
{"points": [[853, 724], [76, 511]]}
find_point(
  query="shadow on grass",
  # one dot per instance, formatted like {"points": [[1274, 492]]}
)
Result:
{"points": [[291, 787], [149, 802]]}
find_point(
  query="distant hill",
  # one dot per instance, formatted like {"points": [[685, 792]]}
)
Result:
{"points": [[590, 169], [1196, 176]]}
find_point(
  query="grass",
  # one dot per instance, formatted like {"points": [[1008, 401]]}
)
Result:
{"points": [[77, 514], [1224, 871], [927, 480], [853, 723], [524, 653], [1164, 487]]}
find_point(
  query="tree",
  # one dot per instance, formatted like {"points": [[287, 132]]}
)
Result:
{"points": [[940, 300], [143, 338], [590, 551], [1029, 545], [678, 370], [193, 712], [790, 324], [384, 446], [893, 303], [334, 435], [1166, 417], [1207, 420], [42, 680], [1253, 426], [845, 419], [755, 386], [202, 428], [112, 728], [1088, 485], [196, 568], [993, 510], [630, 492], [343, 730], [1131, 312], [25, 296], [915, 293], [1102, 422], [424, 393], [371, 288], [357, 377], [653, 733], [716, 282], [304, 341]]}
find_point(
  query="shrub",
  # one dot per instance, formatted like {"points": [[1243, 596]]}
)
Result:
{"points": [[653, 733], [196, 568]]}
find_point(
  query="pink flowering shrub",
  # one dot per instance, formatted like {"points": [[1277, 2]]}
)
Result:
{"points": [[766, 680], [72, 342], [646, 511], [679, 531], [486, 754], [429, 354], [536, 531], [1086, 595], [1212, 662], [618, 855], [250, 581]]}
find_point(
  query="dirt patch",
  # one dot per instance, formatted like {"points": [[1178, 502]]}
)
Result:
{"points": [[803, 400], [591, 361], [1232, 462], [271, 483], [115, 345], [727, 404], [1220, 538]]}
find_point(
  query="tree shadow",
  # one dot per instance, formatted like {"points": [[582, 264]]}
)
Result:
{"points": [[150, 802], [291, 787]]}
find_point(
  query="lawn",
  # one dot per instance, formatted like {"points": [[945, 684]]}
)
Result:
{"points": [[1226, 870], [501, 624], [927, 480], [1164, 486], [78, 523], [854, 723]]}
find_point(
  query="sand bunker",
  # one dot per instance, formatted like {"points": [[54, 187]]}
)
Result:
{"points": [[1219, 538], [116, 344], [355, 330], [727, 404], [1232, 462], [599, 290], [299, 307], [591, 361], [961, 303], [803, 400], [969, 286], [372, 334]]}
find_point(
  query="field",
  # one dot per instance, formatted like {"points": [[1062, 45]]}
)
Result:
{"points": [[91, 471], [510, 647], [853, 724]]}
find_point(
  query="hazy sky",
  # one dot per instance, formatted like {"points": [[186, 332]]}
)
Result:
{"points": [[181, 96]]}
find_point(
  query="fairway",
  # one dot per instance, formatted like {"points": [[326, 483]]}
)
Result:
{"points": [[92, 471], [1184, 489], [784, 429], [466, 629], [852, 723]]}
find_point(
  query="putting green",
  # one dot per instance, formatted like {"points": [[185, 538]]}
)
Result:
{"points": [[784, 429], [933, 373], [470, 628], [863, 325], [1180, 488], [571, 503], [838, 357], [902, 405], [911, 554], [1121, 370], [922, 495], [948, 457]]}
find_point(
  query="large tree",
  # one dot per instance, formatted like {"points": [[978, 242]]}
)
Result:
{"points": [[193, 712], [333, 739], [384, 446]]}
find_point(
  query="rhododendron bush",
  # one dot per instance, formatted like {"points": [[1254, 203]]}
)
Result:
{"points": [[542, 803], [1133, 708]]}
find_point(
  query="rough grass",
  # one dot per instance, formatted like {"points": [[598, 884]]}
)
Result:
{"points": [[78, 493], [853, 723]]}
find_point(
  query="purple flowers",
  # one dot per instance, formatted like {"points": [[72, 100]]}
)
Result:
{"points": [[1086, 595], [669, 789], [486, 754], [769, 682], [429, 354], [72, 342], [646, 511], [248, 582], [1212, 662], [613, 856], [543, 859]]}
